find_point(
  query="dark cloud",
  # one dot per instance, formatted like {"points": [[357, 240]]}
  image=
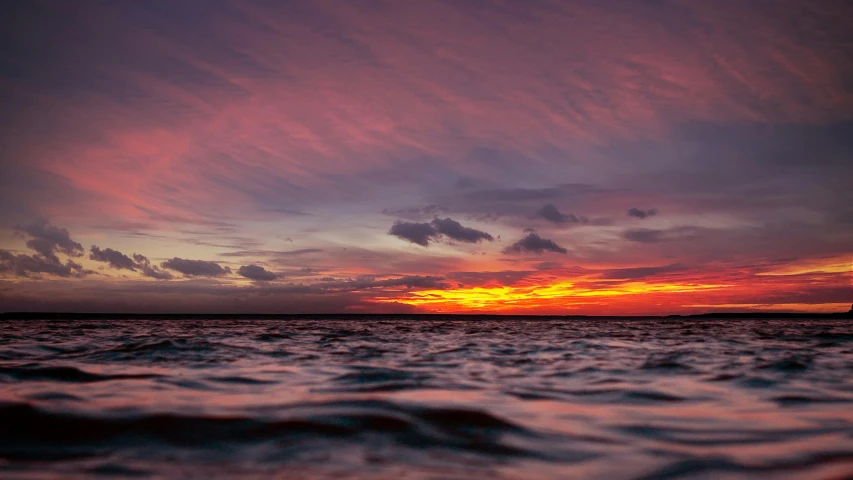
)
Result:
{"points": [[552, 214], [23, 265], [409, 281], [195, 268], [639, 272], [115, 258], [454, 230], [687, 232], [257, 273], [533, 243], [641, 214], [643, 235], [149, 270], [423, 233], [121, 261], [365, 282], [47, 240], [419, 233]]}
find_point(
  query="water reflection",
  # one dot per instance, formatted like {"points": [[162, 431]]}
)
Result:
{"points": [[424, 399]]}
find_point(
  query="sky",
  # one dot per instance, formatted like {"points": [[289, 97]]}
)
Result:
{"points": [[527, 157]]}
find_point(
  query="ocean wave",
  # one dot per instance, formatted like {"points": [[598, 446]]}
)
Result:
{"points": [[31, 372], [31, 432], [443, 398]]}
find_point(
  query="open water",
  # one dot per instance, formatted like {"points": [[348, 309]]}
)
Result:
{"points": [[412, 397]]}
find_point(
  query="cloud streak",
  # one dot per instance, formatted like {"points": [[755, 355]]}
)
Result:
{"points": [[552, 214], [196, 268], [642, 214]]}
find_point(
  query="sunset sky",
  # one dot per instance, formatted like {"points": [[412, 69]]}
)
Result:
{"points": [[553, 157]]}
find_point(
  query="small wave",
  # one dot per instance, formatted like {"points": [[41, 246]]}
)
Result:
{"points": [[724, 377], [711, 436], [54, 396], [241, 380], [599, 395], [651, 396], [169, 350], [788, 364], [722, 467], [665, 362], [752, 381], [790, 400], [272, 337], [835, 336], [63, 374], [29, 431], [367, 379], [116, 470]]}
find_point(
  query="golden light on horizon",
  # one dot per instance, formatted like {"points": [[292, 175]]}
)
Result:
{"points": [[812, 266], [526, 297]]}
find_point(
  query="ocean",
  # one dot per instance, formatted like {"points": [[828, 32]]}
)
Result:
{"points": [[397, 397]]}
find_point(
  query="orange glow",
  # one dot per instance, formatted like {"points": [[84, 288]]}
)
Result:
{"points": [[832, 265], [566, 294]]}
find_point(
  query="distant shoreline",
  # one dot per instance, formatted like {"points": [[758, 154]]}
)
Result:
{"points": [[286, 316]]}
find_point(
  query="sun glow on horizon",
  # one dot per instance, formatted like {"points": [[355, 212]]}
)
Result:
{"points": [[566, 294]]}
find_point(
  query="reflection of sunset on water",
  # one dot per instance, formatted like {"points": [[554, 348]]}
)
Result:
{"points": [[451, 395]]}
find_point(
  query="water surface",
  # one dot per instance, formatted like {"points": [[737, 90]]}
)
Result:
{"points": [[407, 397]]}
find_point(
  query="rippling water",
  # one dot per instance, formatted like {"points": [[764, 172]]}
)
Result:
{"points": [[380, 397]]}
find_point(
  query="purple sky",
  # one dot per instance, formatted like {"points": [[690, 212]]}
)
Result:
{"points": [[371, 156]]}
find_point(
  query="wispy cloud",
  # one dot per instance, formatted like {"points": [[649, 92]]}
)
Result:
{"points": [[196, 268], [282, 136]]}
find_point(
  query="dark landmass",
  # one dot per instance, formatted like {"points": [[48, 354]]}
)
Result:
{"points": [[425, 316]]}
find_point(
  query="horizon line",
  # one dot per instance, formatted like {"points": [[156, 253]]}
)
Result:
{"points": [[733, 314]]}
